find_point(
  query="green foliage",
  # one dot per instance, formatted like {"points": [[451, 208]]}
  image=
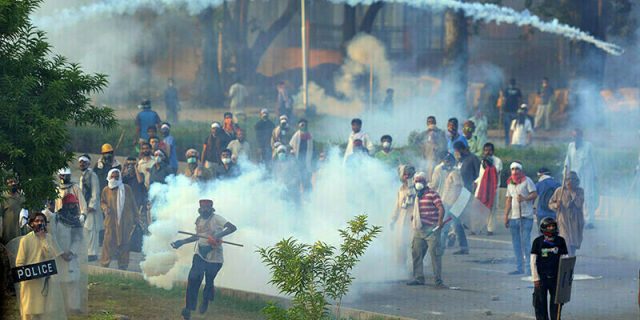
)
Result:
{"points": [[40, 96], [313, 274]]}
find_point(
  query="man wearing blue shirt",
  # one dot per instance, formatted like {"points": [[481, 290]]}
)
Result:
{"points": [[453, 135], [145, 119], [545, 187]]}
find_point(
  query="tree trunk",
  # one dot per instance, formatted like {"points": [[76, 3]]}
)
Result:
{"points": [[208, 90], [265, 38], [456, 55], [370, 17], [349, 23]]}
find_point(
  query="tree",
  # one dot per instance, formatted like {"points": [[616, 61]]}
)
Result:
{"points": [[349, 29], [456, 54], [40, 97], [208, 87], [248, 56], [313, 274]]}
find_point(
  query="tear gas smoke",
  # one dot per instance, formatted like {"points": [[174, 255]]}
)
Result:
{"points": [[259, 206], [477, 11]]}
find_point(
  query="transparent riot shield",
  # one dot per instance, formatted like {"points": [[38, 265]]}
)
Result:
{"points": [[38, 297], [72, 264]]}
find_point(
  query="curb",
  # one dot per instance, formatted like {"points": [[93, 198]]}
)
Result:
{"points": [[348, 313]]}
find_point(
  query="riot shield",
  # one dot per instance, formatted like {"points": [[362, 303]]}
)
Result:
{"points": [[34, 272]]}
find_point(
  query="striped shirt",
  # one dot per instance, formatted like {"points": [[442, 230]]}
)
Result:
{"points": [[428, 207]]}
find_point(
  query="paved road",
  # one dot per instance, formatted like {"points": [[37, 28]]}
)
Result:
{"points": [[486, 291]]}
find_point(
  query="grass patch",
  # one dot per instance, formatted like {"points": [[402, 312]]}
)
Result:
{"points": [[111, 296]]}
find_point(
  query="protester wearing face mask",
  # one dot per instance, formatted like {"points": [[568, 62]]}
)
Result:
{"points": [[194, 169], [40, 298], [170, 145], [433, 143], [518, 214], [581, 159], [453, 185], [280, 134], [145, 163], [569, 206], [546, 252], [426, 221], [160, 169], [90, 189], [66, 186], [285, 171], [135, 180], [67, 231], [208, 256], [226, 168], [264, 128], [120, 210], [106, 162], [12, 203], [387, 154]]}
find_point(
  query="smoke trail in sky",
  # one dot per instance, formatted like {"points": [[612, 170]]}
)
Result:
{"points": [[477, 11]]}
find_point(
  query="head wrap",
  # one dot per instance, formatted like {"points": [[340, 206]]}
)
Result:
{"points": [[69, 198], [515, 165], [284, 118], [165, 126], [117, 184], [206, 203], [264, 111], [85, 158]]}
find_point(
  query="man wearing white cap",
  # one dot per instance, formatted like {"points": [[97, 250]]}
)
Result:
{"points": [[280, 134], [518, 215], [213, 146], [263, 128], [90, 189]]}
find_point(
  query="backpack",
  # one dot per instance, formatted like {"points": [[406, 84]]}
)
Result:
{"points": [[543, 199]]}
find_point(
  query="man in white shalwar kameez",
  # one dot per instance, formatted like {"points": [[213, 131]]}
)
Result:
{"points": [[93, 221], [401, 216], [581, 160], [68, 233]]}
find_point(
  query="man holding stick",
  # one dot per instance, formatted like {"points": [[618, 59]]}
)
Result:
{"points": [[208, 258]]}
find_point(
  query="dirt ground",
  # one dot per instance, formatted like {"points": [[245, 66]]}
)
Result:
{"points": [[112, 297]]}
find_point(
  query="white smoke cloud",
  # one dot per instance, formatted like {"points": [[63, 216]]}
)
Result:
{"points": [[255, 204], [477, 11]]}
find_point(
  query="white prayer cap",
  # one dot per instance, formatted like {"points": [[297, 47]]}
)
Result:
{"points": [[216, 125], [515, 165], [64, 171], [264, 111], [165, 126], [284, 118], [524, 106], [281, 148], [420, 176], [84, 158]]}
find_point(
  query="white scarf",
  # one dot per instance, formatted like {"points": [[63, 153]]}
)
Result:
{"points": [[113, 183]]}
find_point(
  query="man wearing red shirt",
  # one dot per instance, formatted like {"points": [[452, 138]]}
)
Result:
{"points": [[427, 222]]}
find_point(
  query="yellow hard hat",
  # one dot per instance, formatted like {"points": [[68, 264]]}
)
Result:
{"points": [[106, 148]]}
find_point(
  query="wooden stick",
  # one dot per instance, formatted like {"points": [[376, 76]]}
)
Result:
{"points": [[203, 237]]}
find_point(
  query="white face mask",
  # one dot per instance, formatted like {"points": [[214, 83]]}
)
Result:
{"points": [[226, 160], [386, 145], [113, 183], [431, 126], [419, 186]]}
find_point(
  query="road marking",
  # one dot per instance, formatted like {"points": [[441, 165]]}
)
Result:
{"points": [[489, 240], [489, 270]]}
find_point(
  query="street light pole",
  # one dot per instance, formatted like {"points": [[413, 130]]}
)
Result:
{"points": [[303, 18]]}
